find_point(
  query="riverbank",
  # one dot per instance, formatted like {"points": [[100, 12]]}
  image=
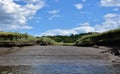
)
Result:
{"points": [[111, 53], [8, 50]]}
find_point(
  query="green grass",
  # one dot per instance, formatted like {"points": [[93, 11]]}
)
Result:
{"points": [[16, 39], [111, 37], [65, 44], [46, 41]]}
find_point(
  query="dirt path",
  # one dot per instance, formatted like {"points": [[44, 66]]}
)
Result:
{"points": [[53, 54]]}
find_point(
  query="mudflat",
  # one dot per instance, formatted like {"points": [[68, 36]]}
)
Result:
{"points": [[52, 54]]}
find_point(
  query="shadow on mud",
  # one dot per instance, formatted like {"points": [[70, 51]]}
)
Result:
{"points": [[15, 69]]}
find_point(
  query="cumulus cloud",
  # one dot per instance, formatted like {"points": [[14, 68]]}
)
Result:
{"points": [[109, 3], [111, 21], [83, 28], [30, 1], [54, 14], [79, 6], [58, 32], [14, 16]]}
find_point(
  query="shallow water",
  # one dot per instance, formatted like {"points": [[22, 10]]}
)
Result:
{"points": [[60, 69], [56, 60]]}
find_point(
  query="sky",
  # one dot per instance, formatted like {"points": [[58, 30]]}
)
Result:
{"points": [[59, 17]]}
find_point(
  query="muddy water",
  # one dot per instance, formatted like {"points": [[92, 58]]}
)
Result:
{"points": [[56, 60], [59, 69]]}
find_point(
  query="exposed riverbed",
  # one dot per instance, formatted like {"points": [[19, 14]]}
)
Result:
{"points": [[56, 60]]}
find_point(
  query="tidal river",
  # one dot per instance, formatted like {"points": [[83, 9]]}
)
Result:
{"points": [[56, 60]]}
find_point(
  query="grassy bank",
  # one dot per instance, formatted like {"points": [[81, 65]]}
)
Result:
{"points": [[8, 39], [45, 41], [65, 44], [109, 38]]}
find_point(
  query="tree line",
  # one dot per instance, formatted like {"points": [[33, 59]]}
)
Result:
{"points": [[111, 37]]}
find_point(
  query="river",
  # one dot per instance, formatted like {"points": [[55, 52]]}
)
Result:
{"points": [[56, 60]]}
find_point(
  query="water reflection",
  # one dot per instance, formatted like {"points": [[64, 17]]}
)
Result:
{"points": [[59, 69]]}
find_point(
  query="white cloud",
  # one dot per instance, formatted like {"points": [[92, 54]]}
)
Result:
{"points": [[15, 16], [78, 6], [58, 32], [109, 3], [30, 1], [85, 27], [111, 21], [54, 14]]}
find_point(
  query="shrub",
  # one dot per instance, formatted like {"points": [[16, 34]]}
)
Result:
{"points": [[45, 41], [87, 40], [16, 39]]}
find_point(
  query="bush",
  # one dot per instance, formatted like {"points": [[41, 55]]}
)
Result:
{"points": [[46, 41], [87, 40], [16, 39]]}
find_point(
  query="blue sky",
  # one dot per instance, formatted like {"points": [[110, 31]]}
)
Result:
{"points": [[59, 17]]}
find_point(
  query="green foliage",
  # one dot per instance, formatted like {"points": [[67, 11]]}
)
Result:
{"points": [[16, 39], [68, 39], [46, 41], [65, 44], [85, 39], [111, 37]]}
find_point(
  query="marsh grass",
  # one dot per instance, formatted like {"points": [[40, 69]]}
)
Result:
{"points": [[111, 37], [46, 41], [65, 44], [8, 39]]}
